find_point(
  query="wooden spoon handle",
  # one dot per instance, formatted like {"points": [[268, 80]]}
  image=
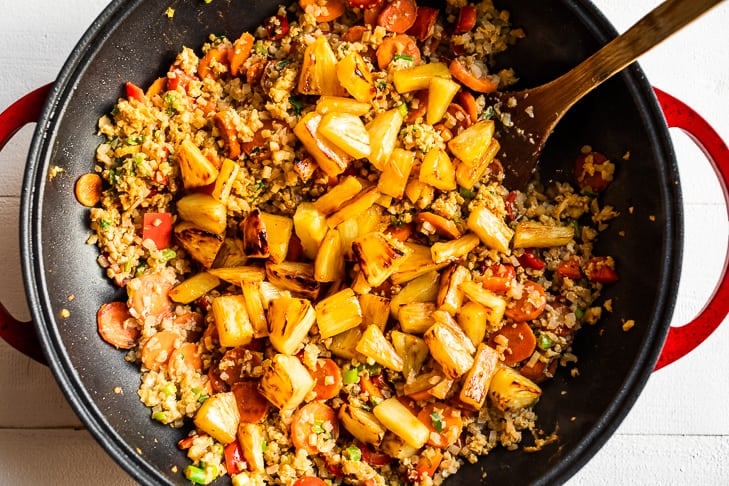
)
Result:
{"points": [[660, 23]]}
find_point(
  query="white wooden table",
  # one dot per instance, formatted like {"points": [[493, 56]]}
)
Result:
{"points": [[677, 433]]}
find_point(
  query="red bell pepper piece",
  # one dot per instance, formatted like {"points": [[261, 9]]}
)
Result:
{"points": [[530, 260], [601, 269], [134, 92], [158, 228], [570, 269], [234, 461], [466, 19]]}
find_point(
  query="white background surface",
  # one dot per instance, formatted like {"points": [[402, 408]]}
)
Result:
{"points": [[678, 431]]}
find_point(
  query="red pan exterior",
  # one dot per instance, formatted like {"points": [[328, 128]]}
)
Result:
{"points": [[135, 41]]}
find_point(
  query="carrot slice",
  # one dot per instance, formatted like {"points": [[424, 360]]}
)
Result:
{"points": [[443, 226], [328, 377], [399, 45], [499, 278], [398, 15], [218, 54], [475, 77], [570, 268], [309, 481], [157, 350], [149, 295], [521, 342], [418, 111], [428, 464], [116, 325], [88, 189], [401, 232], [184, 359], [325, 10], [530, 305], [538, 372], [227, 129], [252, 406], [445, 424], [311, 423], [354, 33], [240, 52], [157, 87], [468, 102], [424, 25], [235, 360]]}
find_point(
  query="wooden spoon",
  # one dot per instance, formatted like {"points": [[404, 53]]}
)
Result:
{"points": [[529, 116]]}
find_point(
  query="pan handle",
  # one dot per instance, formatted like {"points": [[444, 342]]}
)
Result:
{"points": [[682, 340], [27, 109]]}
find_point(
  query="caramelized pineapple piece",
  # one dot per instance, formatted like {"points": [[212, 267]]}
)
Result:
{"points": [[224, 182], [338, 104], [344, 345], [491, 230], [331, 159], [510, 390], [449, 346], [196, 170], [449, 251], [419, 77], [219, 417], [254, 306], [310, 226], [375, 346], [200, 244], [420, 289], [416, 317], [329, 262], [230, 254], [467, 176], [472, 144], [290, 320], [286, 381], [298, 277], [278, 230], [530, 234], [336, 196], [193, 288], [495, 305], [204, 211], [354, 75], [379, 256], [473, 319], [255, 237], [441, 92], [437, 170], [252, 443], [338, 313], [478, 379], [235, 275], [412, 349], [450, 295], [396, 172], [417, 263], [347, 132], [383, 130], [397, 418], [363, 425], [354, 207], [375, 310], [319, 70], [231, 320]]}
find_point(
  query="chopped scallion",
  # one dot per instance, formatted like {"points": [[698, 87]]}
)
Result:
{"points": [[544, 342], [167, 255], [435, 418], [196, 475], [353, 453], [404, 57], [350, 376], [579, 313]]}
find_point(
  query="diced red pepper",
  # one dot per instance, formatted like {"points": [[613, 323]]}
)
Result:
{"points": [[509, 205], [601, 270], [570, 269], [531, 260], [372, 457], [466, 19], [589, 169], [185, 443], [158, 228], [134, 92], [234, 461], [500, 279], [276, 27]]}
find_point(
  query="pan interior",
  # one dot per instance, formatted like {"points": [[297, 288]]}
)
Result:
{"points": [[136, 40]]}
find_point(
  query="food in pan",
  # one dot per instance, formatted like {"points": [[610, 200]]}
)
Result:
{"points": [[326, 280]]}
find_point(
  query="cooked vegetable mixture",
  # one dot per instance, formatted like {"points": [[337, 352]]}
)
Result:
{"points": [[327, 282]]}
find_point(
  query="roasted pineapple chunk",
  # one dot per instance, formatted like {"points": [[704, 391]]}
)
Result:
{"points": [[437, 170], [478, 379], [338, 313], [269, 292], [278, 231], [472, 317], [354, 75], [285, 382], [450, 295], [254, 305], [219, 417], [379, 256], [468, 175], [419, 193], [319, 70], [331, 159], [383, 130], [418, 262], [472, 144], [340, 104], [203, 211], [344, 345], [255, 237], [298, 277], [310, 226], [419, 77], [416, 317], [194, 287], [354, 207], [347, 132], [335, 197], [491, 230], [235, 275], [252, 443], [396, 172], [231, 254], [450, 348], [224, 182], [195, 168], [494, 305], [375, 346], [375, 310], [231, 320], [290, 320], [421, 289], [394, 446], [510, 390], [363, 425], [402, 422], [200, 244], [329, 262], [412, 349], [441, 92], [530, 234], [449, 251]]}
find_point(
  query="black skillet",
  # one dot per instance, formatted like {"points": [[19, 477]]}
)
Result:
{"points": [[133, 40]]}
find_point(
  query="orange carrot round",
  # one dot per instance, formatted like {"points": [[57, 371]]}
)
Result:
{"points": [[116, 325], [521, 342]]}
